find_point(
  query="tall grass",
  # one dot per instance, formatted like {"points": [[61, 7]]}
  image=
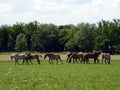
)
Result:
{"points": [[59, 77]]}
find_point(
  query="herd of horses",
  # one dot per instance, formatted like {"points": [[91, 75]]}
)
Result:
{"points": [[74, 57]]}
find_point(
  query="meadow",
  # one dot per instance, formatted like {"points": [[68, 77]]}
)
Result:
{"points": [[59, 77]]}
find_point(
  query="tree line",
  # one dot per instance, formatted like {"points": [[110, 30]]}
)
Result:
{"points": [[85, 37]]}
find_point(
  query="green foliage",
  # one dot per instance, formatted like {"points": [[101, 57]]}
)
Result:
{"points": [[109, 38], [21, 44], [66, 34], [85, 36], [59, 77], [4, 36], [104, 35], [45, 38]]}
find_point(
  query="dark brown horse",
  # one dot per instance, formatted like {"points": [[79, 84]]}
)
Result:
{"points": [[33, 56], [53, 57], [93, 55], [69, 55], [76, 56]]}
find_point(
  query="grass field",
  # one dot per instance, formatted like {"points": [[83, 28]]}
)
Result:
{"points": [[59, 77]]}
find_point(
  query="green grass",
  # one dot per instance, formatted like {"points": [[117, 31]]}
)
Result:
{"points": [[59, 77]]}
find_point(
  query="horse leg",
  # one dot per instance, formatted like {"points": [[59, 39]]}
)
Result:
{"points": [[77, 61], [38, 60], [80, 60], [87, 60], [52, 61], [23, 61], [61, 61], [98, 62], [30, 61], [73, 60], [109, 61], [57, 61], [69, 60], [27, 61], [94, 60], [17, 62], [84, 59], [49, 61], [105, 61], [102, 60]]}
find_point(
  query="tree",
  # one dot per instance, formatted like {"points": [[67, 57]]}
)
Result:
{"points": [[108, 39], [4, 36], [30, 29], [66, 34], [14, 31], [85, 36], [21, 43], [45, 38]]}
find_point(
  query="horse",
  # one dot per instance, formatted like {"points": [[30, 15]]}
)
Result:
{"points": [[53, 57], [12, 55], [76, 56], [33, 56], [17, 57], [68, 56], [106, 57], [93, 55]]}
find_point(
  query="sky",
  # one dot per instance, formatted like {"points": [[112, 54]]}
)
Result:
{"points": [[58, 12]]}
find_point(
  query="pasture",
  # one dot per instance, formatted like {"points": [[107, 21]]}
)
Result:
{"points": [[59, 77]]}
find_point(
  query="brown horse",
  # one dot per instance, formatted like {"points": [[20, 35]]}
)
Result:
{"points": [[53, 57], [93, 55], [76, 56], [69, 55], [33, 56]]}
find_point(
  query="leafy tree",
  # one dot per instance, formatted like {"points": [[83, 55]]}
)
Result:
{"points": [[30, 29], [14, 31], [85, 36], [4, 36], [21, 43], [109, 38], [66, 34], [46, 38]]}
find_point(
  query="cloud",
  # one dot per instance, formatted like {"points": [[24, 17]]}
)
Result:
{"points": [[59, 11], [5, 8]]}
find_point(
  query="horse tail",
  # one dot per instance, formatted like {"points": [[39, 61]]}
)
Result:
{"points": [[11, 58], [45, 57], [69, 59]]}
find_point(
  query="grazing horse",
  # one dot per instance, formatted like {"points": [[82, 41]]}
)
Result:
{"points": [[93, 55], [17, 57], [53, 57], [106, 57], [68, 56], [76, 56], [33, 56]]}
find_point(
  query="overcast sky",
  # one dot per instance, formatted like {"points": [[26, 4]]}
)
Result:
{"points": [[58, 12]]}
